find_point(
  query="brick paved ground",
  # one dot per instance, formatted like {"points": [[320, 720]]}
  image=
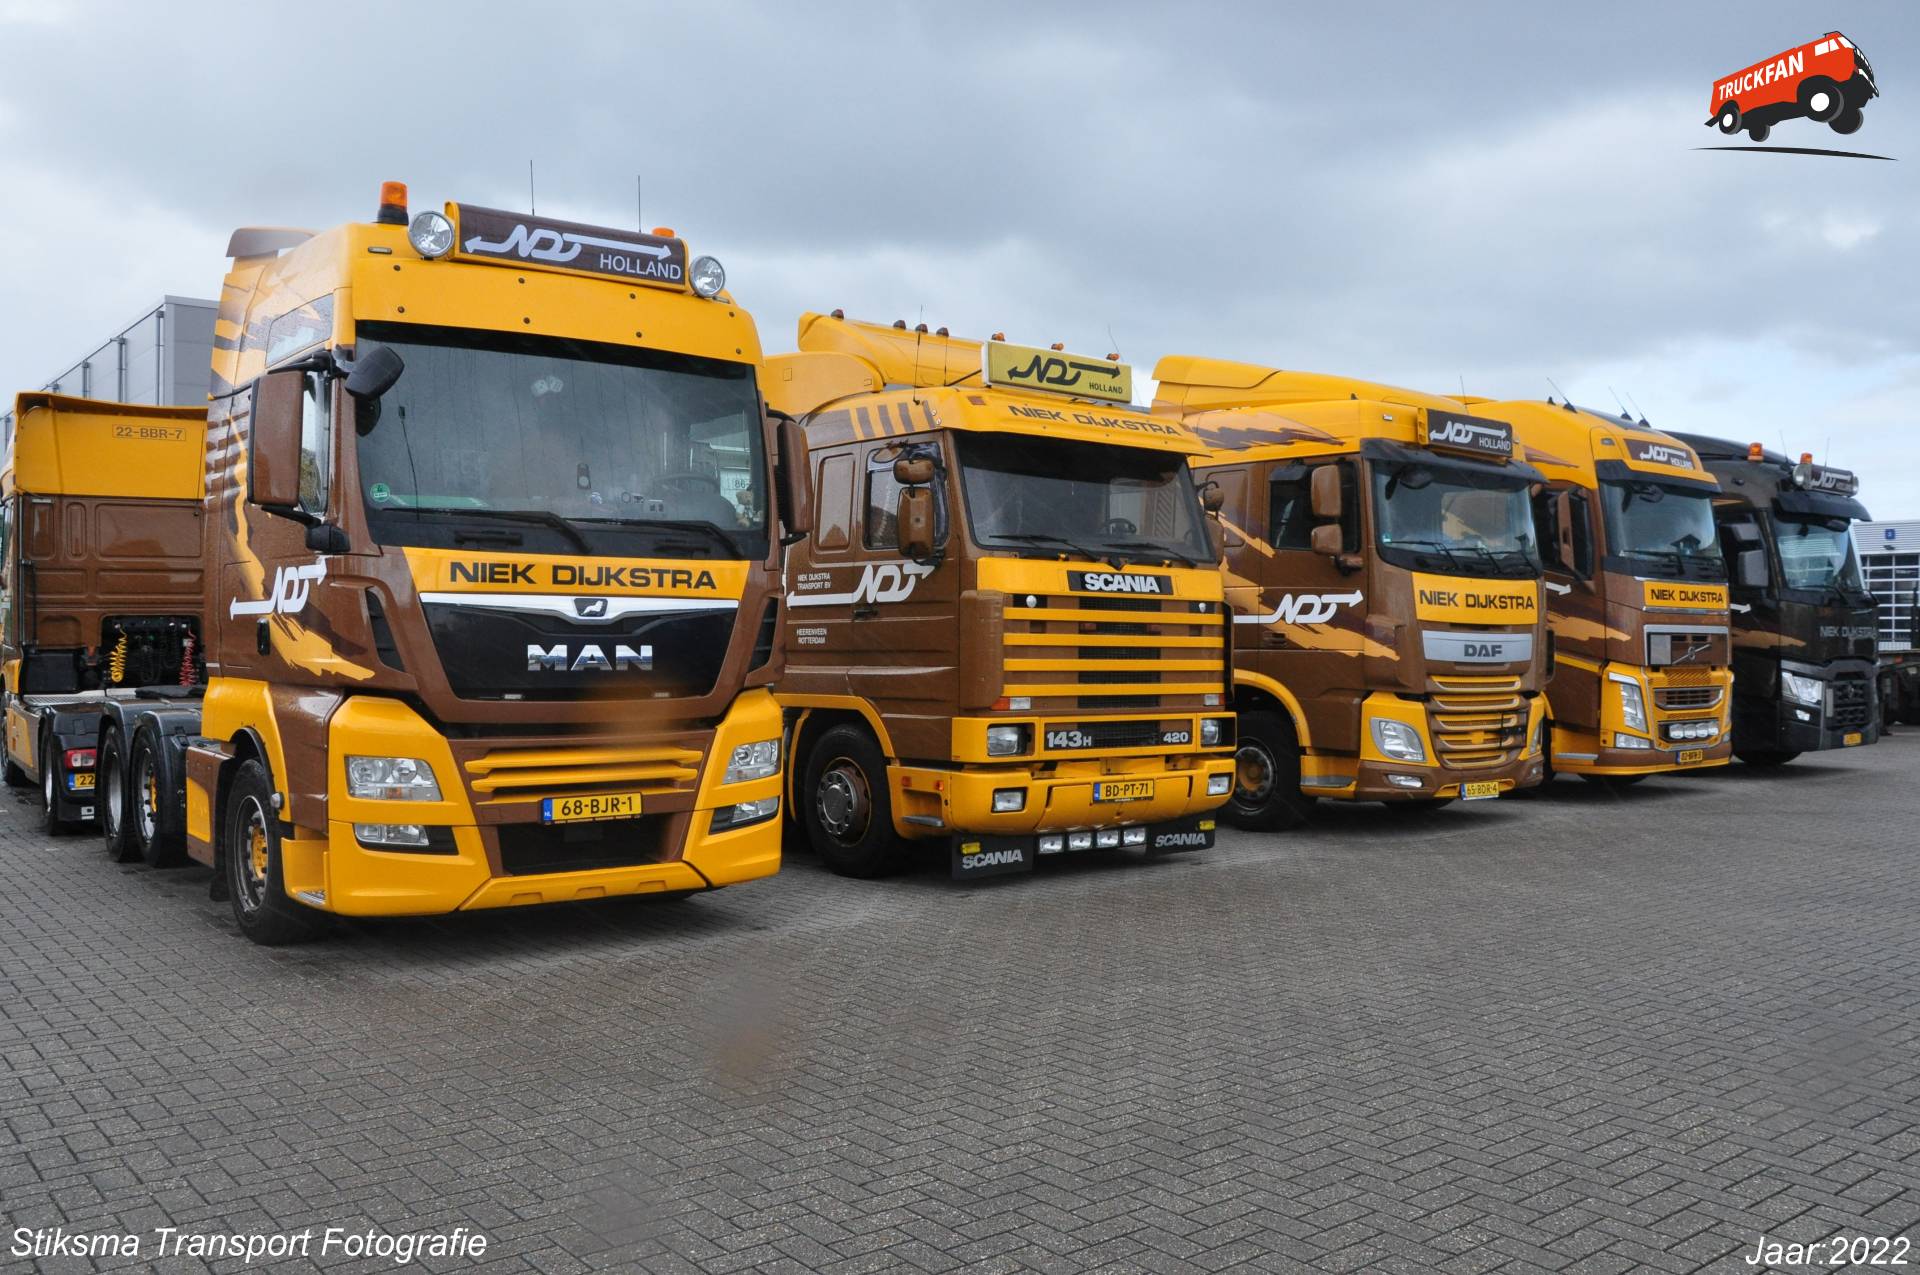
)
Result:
{"points": [[1570, 1032]]}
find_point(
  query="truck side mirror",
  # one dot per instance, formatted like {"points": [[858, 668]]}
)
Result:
{"points": [[1213, 497], [1563, 527], [796, 497], [913, 516], [1327, 502], [375, 372], [273, 465], [1328, 540], [1750, 568], [913, 471]]}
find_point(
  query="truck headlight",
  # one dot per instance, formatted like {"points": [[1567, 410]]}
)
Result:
{"points": [[431, 235], [753, 761], [1008, 800], [1800, 688], [1397, 739], [391, 779], [707, 277], [1219, 785], [1633, 705], [743, 813], [1212, 731], [1006, 741]]}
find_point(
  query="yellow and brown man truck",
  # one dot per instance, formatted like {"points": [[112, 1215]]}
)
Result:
{"points": [[1636, 593], [1006, 634], [1390, 641], [101, 531], [490, 581]]}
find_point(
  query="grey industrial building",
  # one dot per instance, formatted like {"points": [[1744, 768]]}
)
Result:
{"points": [[162, 358]]}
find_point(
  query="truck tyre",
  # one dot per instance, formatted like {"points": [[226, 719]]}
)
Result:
{"points": [[146, 795], [250, 853], [113, 798], [1759, 132], [51, 780], [846, 807], [1266, 781], [1760, 760], [1821, 99], [1729, 118], [1847, 121]]}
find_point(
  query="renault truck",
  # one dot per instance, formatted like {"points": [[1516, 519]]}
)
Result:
{"points": [[1389, 636], [490, 575], [100, 527], [1006, 635], [1801, 617], [1636, 594]]}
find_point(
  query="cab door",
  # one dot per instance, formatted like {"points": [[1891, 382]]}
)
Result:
{"points": [[1576, 607]]}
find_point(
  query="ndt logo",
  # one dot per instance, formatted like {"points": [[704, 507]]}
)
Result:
{"points": [[1062, 373], [1672, 455], [541, 243], [889, 581], [1311, 608], [291, 587], [1453, 431]]}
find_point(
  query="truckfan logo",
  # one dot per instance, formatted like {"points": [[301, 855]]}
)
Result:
{"points": [[1304, 608], [291, 587], [590, 659], [1828, 81]]}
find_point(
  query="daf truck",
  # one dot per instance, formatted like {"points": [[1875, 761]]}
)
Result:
{"points": [[490, 575], [100, 527], [1801, 617], [1389, 637], [1636, 594], [1006, 635]]}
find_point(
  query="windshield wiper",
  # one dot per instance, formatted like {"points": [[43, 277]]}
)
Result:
{"points": [[535, 517], [1147, 546], [1442, 546], [1042, 538], [712, 530]]}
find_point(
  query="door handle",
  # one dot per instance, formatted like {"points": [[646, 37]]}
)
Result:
{"points": [[865, 612]]}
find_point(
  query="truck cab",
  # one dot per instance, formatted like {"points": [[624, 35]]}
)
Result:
{"points": [[1803, 621], [1389, 633], [1006, 634], [1636, 594]]}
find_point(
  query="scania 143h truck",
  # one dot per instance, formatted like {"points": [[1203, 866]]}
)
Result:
{"points": [[101, 531], [1006, 633], [490, 577], [1390, 642], [1636, 594], [1802, 619]]}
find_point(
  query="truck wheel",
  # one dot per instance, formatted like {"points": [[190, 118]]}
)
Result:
{"points": [[1759, 132], [112, 799], [250, 849], [1765, 760], [1729, 118], [145, 793], [1820, 98], [846, 807], [51, 781], [1847, 121], [1266, 781]]}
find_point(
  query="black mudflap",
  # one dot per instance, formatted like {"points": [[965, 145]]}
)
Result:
{"points": [[977, 855], [1183, 834]]}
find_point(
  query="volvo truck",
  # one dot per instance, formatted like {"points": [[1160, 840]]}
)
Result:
{"points": [[1636, 594], [1006, 635], [490, 571], [1389, 637], [1801, 617], [100, 527]]}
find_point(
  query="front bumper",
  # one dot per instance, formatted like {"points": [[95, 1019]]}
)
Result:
{"points": [[937, 802], [1577, 752], [470, 866], [1513, 759], [976, 855], [1776, 723]]}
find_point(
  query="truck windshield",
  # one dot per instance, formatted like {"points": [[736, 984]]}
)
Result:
{"points": [[1051, 496], [1458, 520], [1816, 554], [562, 445], [1656, 529]]}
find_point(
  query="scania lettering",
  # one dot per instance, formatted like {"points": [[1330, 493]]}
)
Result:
{"points": [[1636, 593], [1802, 619], [491, 581], [1006, 631]]}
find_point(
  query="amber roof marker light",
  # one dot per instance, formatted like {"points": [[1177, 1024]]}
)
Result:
{"points": [[393, 204]]}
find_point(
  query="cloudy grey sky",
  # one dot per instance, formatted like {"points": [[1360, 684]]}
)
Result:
{"points": [[1417, 193]]}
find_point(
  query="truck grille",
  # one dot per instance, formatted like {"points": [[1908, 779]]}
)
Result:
{"points": [[530, 848], [1478, 722], [1849, 702], [500, 775], [1686, 696], [1073, 653]]}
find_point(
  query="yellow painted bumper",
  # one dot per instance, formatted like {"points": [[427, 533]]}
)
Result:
{"points": [[1577, 752], [929, 802]]}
